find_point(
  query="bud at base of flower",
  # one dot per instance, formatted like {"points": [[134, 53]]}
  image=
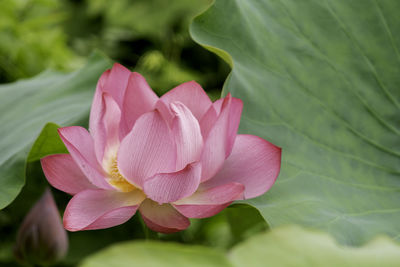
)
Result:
{"points": [[42, 239]]}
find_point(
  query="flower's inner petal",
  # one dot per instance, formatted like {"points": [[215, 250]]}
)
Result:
{"points": [[165, 111], [215, 146], [208, 121], [113, 82], [235, 113], [169, 187], [192, 96], [220, 123], [105, 130], [116, 82], [147, 150], [95, 110], [211, 116], [217, 105], [187, 135], [139, 99]]}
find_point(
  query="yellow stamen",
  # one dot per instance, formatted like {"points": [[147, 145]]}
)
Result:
{"points": [[116, 179]]}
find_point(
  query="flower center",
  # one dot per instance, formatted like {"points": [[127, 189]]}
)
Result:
{"points": [[116, 179]]}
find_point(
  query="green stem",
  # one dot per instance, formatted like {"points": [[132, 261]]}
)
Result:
{"points": [[148, 234]]}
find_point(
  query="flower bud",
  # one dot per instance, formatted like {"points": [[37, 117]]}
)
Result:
{"points": [[42, 239]]}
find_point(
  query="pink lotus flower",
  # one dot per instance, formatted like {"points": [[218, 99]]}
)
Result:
{"points": [[173, 158]]}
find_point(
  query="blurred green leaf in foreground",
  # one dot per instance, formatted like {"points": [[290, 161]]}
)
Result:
{"points": [[284, 246]]}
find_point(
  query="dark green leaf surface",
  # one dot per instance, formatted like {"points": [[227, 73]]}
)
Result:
{"points": [[26, 106], [244, 221], [321, 79]]}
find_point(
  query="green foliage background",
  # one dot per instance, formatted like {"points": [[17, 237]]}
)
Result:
{"points": [[31, 39], [148, 36]]}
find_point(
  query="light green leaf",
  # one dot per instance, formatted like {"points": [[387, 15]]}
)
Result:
{"points": [[283, 246], [26, 106], [48, 142], [321, 79], [156, 254], [294, 246]]}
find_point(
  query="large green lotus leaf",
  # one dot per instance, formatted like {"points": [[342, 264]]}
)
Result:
{"points": [[294, 246], [26, 106], [283, 246], [321, 79]]}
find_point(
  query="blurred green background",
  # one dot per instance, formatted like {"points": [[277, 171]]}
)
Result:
{"points": [[148, 36]]}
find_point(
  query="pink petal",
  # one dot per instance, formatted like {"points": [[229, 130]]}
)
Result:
{"points": [[162, 218], [169, 187], [208, 202], [148, 149], [139, 99], [105, 130], [216, 195], [192, 96], [116, 83], [235, 113], [80, 145], [95, 209], [217, 105], [221, 135], [113, 218], [111, 120], [208, 121], [254, 162], [165, 111], [215, 146], [62, 172], [95, 110], [113, 82], [200, 211], [187, 135]]}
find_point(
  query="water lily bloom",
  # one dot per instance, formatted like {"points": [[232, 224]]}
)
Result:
{"points": [[172, 158]]}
